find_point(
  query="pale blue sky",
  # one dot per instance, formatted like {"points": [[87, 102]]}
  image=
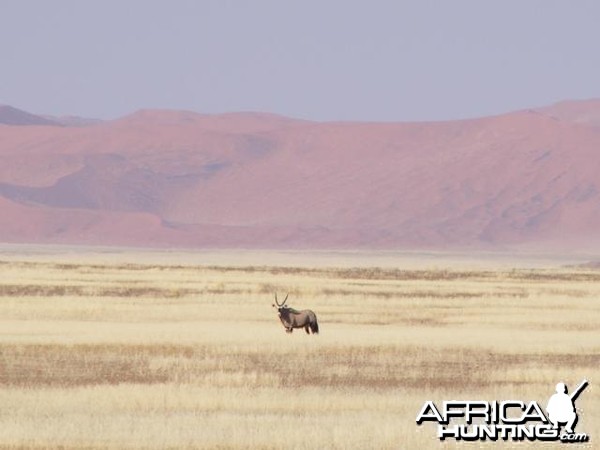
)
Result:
{"points": [[321, 60]]}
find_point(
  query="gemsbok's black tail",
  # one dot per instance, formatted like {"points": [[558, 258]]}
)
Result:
{"points": [[314, 327]]}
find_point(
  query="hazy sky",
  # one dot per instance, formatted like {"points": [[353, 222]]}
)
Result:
{"points": [[321, 60]]}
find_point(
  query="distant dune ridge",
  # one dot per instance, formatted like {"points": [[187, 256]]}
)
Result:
{"points": [[528, 179], [14, 116]]}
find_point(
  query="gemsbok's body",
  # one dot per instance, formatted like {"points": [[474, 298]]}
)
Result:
{"points": [[292, 318]]}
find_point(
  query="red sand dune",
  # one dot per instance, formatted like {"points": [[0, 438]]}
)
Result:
{"points": [[175, 178]]}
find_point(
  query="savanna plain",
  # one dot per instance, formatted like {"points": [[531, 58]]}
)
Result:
{"points": [[131, 350]]}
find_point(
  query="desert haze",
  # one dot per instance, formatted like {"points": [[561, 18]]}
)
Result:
{"points": [[527, 179]]}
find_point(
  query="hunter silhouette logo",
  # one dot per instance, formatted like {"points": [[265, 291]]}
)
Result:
{"points": [[561, 406], [509, 419]]}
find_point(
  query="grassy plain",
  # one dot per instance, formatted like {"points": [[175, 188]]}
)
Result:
{"points": [[169, 351]]}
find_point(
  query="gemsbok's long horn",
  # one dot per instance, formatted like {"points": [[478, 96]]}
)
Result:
{"points": [[285, 299], [277, 301]]}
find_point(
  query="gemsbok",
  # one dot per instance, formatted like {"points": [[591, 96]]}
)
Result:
{"points": [[292, 318]]}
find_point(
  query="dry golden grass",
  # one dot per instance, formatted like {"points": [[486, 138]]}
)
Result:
{"points": [[134, 352]]}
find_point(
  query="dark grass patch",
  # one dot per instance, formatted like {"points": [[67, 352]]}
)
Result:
{"points": [[355, 273], [42, 290], [422, 294], [384, 366], [79, 365], [387, 366]]}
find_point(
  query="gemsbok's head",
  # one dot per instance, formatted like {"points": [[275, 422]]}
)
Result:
{"points": [[282, 305]]}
